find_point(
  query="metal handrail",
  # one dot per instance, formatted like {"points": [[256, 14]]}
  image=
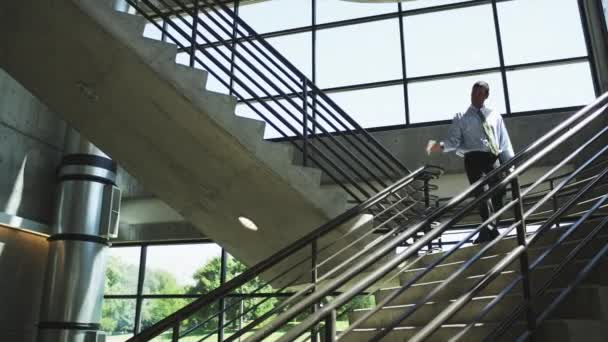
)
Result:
{"points": [[522, 160], [273, 260]]}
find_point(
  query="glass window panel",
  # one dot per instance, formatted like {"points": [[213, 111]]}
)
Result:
{"points": [[153, 32], [222, 56], [184, 268], [373, 107], [295, 48], [122, 271], [118, 319], [234, 268], [410, 5], [203, 324], [153, 310], [270, 132], [354, 54], [550, 87], [183, 58], [183, 35], [334, 10], [441, 99], [539, 30], [450, 41], [276, 15], [208, 29]]}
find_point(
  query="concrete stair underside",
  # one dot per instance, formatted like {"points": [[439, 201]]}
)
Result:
{"points": [[584, 313], [127, 94]]}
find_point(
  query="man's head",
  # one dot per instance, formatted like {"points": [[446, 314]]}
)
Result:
{"points": [[479, 93]]}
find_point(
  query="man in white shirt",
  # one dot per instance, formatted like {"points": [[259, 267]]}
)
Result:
{"points": [[481, 136]]}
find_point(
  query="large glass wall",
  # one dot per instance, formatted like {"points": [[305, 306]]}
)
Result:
{"points": [[146, 282], [396, 65]]}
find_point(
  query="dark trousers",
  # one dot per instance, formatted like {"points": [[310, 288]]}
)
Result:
{"points": [[477, 165]]}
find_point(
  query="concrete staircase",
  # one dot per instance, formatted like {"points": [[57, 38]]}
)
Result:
{"points": [[184, 143], [582, 316]]}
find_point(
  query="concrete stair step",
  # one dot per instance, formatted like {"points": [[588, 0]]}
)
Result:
{"points": [[587, 302], [483, 265], [549, 331], [504, 246], [463, 284], [194, 79]]}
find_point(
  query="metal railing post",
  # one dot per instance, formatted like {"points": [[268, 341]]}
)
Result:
{"points": [[330, 327], [427, 205], [222, 302], [305, 123], [554, 200], [193, 45], [523, 259], [175, 333], [314, 276]]}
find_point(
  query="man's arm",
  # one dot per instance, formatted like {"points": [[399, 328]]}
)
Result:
{"points": [[504, 143], [454, 137]]}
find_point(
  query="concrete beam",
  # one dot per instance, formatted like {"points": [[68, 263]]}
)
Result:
{"points": [[158, 232]]}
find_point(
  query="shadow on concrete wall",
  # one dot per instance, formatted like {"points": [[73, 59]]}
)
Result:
{"points": [[22, 266]]}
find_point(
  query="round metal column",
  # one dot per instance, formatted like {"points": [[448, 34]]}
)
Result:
{"points": [[86, 216]]}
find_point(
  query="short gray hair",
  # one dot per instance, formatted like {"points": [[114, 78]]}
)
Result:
{"points": [[484, 85]]}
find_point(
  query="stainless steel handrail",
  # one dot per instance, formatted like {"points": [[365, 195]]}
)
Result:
{"points": [[522, 161]]}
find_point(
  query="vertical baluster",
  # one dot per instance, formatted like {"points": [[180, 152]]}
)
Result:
{"points": [[234, 40], [523, 260], [330, 327], [427, 205], [222, 303], [193, 45], [554, 200], [305, 121], [175, 332], [313, 278]]}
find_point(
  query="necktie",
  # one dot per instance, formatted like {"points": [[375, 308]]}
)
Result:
{"points": [[487, 129]]}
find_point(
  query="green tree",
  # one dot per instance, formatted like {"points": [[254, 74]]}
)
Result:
{"points": [[207, 278], [118, 314], [160, 282]]}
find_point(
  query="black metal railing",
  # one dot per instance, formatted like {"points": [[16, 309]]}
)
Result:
{"points": [[304, 264], [272, 88], [564, 137]]}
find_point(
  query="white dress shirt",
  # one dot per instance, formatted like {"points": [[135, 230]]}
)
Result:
{"points": [[466, 133]]}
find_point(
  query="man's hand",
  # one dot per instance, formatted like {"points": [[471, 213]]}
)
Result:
{"points": [[436, 147]]}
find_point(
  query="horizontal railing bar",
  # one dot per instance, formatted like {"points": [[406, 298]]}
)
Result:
{"points": [[486, 247], [550, 222], [455, 306]]}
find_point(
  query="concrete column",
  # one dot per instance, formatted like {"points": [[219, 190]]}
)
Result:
{"points": [[86, 216]]}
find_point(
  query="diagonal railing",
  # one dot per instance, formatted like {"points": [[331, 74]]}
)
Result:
{"points": [[302, 265], [273, 89], [563, 136]]}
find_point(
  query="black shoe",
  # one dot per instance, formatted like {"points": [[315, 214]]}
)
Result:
{"points": [[486, 235]]}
